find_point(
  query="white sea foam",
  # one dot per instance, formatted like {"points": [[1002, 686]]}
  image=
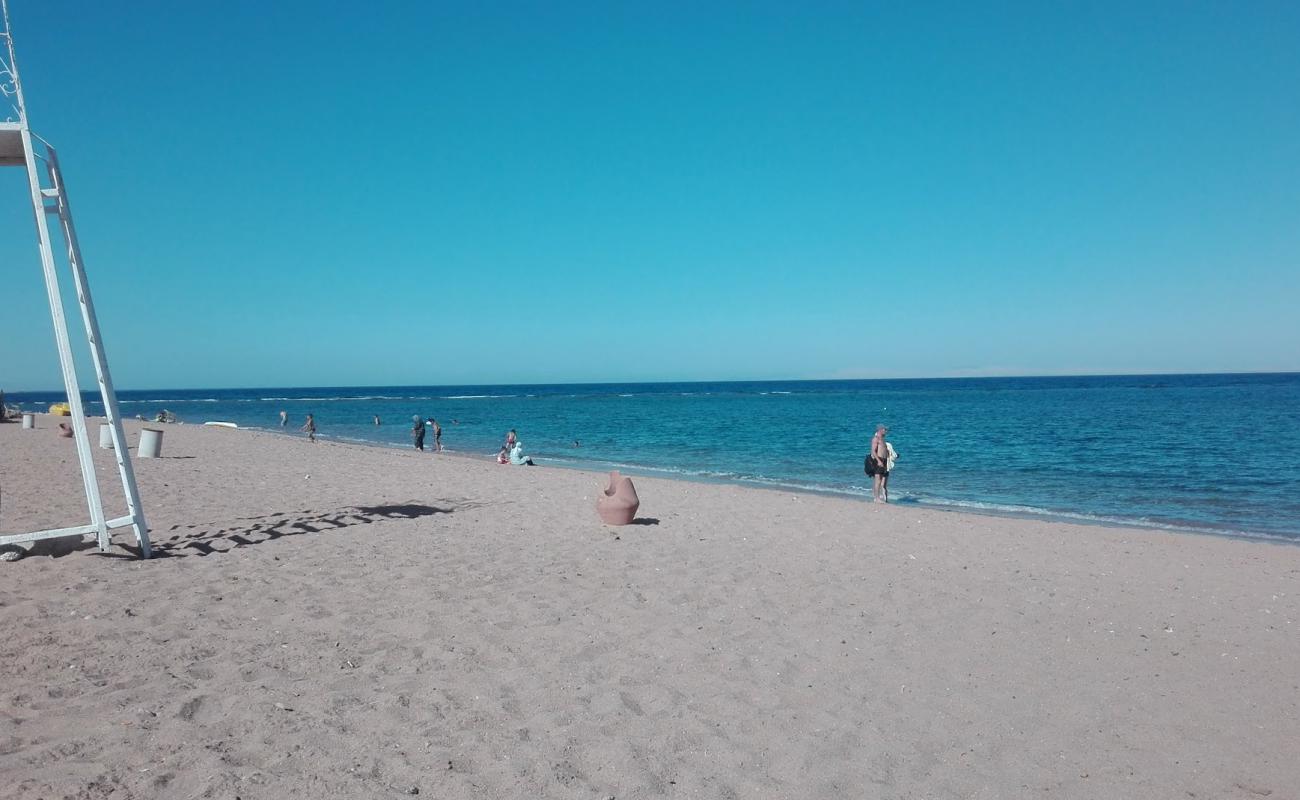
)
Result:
{"points": [[939, 503], [1013, 510], [345, 398], [326, 399], [369, 442]]}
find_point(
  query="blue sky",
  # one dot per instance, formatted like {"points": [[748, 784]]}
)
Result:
{"points": [[284, 194]]}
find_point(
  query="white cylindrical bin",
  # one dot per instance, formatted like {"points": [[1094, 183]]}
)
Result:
{"points": [[29, 421], [150, 443], [106, 436]]}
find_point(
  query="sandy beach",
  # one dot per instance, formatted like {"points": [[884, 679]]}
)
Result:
{"points": [[332, 620]]}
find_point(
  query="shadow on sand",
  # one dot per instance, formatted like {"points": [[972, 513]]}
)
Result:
{"points": [[205, 540]]}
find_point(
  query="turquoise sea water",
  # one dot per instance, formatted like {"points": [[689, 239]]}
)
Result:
{"points": [[1203, 452]]}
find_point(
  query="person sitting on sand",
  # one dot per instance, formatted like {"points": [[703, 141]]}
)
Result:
{"points": [[309, 427], [503, 457], [518, 458]]}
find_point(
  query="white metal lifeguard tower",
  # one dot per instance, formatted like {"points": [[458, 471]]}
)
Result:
{"points": [[18, 148]]}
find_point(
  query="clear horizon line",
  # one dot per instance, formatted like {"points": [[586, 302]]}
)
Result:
{"points": [[956, 377]]}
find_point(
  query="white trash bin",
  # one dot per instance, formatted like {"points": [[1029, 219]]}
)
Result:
{"points": [[106, 436], [29, 422], [150, 443]]}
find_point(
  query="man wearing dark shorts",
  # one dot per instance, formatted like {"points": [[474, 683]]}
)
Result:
{"points": [[877, 461]]}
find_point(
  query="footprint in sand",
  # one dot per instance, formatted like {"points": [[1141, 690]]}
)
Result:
{"points": [[190, 708]]}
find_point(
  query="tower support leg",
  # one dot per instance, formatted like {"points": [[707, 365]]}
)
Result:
{"points": [[124, 467], [65, 348]]}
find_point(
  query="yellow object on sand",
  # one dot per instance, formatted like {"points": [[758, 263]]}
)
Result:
{"points": [[61, 409]]}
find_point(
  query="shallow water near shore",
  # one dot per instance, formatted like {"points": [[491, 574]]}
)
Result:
{"points": [[1218, 453]]}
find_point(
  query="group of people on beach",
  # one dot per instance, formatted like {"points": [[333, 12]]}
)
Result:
{"points": [[512, 451], [878, 463], [308, 427], [419, 429]]}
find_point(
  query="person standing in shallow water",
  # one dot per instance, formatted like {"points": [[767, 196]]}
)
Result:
{"points": [[877, 463], [417, 432], [284, 418], [309, 427], [437, 435]]}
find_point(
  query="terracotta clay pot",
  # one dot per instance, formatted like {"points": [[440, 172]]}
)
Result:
{"points": [[618, 503]]}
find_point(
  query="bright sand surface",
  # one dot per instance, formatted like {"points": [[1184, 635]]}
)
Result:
{"points": [[342, 621]]}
